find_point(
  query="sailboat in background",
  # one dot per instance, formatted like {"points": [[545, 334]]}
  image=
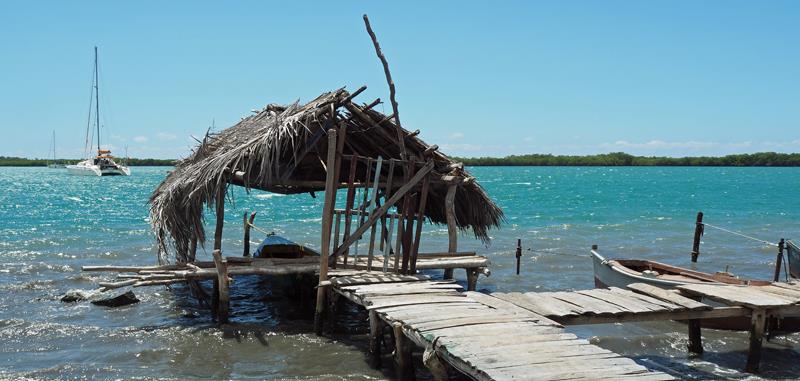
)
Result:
{"points": [[54, 163], [103, 163]]}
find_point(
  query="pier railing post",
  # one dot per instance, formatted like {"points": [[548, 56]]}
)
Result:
{"points": [[698, 232], [327, 220]]}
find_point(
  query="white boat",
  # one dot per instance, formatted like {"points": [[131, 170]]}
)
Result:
{"points": [[103, 163]]}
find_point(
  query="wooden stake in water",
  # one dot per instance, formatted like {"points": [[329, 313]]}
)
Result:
{"points": [[698, 232], [519, 253]]}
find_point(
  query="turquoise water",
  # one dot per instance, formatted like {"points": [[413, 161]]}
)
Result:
{"points": [[52, 223]]}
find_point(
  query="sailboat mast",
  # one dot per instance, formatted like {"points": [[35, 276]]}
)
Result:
{"points": [[54, 146], [97, 99]]}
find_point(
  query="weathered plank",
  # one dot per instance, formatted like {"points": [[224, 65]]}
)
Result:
{"points": [[782, 291], [669, 296], [735, 295], [540, 304], [377, 278], [505, 306], [628, 303], [592, 305]]}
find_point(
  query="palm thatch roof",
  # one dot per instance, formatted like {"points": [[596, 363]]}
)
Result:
{"points": [[281, 149]]}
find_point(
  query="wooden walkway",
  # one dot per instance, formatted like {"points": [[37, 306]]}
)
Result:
{"points": [[485, 337], [648, 303]]}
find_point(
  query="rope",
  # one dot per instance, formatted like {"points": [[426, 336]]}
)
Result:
{"points": [[260, 230], [741, 235]]}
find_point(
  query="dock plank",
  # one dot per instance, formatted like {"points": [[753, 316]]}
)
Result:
{"points": [[669, 296], [736, 295]]}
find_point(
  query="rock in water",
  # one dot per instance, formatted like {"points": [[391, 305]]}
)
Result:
{"points": [[118, 301], [73, 296]]}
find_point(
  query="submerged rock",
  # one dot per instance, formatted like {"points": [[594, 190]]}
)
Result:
{"points": [[73, 296], [118, 301]]}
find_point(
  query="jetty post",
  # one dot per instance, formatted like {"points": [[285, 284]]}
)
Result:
{"points": [[779, 260], [698, 232], [327, 219], [452, 232], [518, 254], [246, 239]]}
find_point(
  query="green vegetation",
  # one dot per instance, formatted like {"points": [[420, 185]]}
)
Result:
{"points": [[6, 161], [761, 159]]}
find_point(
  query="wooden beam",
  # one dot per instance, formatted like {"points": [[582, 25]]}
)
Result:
{"points": [[327, 217], [382, 210], [247, 225]]}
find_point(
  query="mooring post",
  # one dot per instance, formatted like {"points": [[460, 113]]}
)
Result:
{"points": [[759, 318], [375, 336], [472, 279], [779, 260], [698, 232], [327, 219], [519, 253], [695, 339], [247, 225], [402, 354]]}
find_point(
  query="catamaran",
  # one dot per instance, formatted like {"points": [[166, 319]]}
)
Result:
{"points": [[103, 163]]}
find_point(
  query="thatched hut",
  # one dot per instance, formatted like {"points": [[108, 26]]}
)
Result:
{"points": [[282, 149]]}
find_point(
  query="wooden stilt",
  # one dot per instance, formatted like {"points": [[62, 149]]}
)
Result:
{"points": [[193, 250], [375, 336], [695, 340], [452, 229], [402, 354], [223, 299], [327, 219], [220, 217], [435, 365], [472, 279], [759, 318]]}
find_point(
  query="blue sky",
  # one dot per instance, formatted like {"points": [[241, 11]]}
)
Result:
{"points": [[478, 78]]}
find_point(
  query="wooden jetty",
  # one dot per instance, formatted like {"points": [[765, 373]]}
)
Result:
{"points": [[484, 337]]}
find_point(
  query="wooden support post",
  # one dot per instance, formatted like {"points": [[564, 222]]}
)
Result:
{"points": [[472, 279], [383, 209], [375, 337], [779, 260], [223, 299], [408, 217], [247, 225], [698, 232], [452, 228], [193, 250], [695, 339], [327, 217], [398, 246], [423, 198], [363, 209], [759, 318], [220, 217], [374, 204], [518, 254], [348, 210], [402, 354], [435, 365]]}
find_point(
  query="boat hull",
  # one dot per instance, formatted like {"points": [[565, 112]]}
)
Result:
{"points": [[610, 274], [96, 170]]}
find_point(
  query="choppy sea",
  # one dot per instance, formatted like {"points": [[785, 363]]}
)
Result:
{"points": [[52, 223]]}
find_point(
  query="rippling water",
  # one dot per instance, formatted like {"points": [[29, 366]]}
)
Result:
{"points": [[52, 223]]}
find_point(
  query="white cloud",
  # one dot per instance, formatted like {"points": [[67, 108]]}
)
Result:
{"points": [[165, 136], [456, 135], [140, 139], [661, 145]]}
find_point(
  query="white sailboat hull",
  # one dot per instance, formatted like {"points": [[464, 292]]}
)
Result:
{"points": [[87, 169]]}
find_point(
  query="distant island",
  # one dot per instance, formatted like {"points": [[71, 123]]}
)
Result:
{"points": [[760, 159], [8, 161], [614, 159]]}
